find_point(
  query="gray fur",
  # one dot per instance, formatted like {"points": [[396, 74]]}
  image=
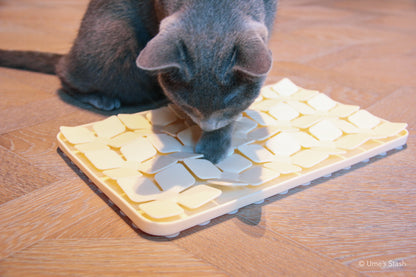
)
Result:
{"points": [[209, 57]]}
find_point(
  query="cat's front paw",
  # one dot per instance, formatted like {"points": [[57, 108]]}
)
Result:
{"points": [[105, 103], [101, 102], [214, 145]]}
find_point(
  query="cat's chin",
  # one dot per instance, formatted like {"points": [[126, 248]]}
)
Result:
{"points": [[211, 125], [209, 128]]}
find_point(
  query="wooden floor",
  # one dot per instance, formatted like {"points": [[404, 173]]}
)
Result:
{"points": [[361, 222]]}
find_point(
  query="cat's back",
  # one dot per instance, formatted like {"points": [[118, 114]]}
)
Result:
{"points": [[137, 14]]}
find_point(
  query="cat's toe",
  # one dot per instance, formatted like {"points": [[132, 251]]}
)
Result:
{"points": [[117, 103], [109, 104], [103, 102]]}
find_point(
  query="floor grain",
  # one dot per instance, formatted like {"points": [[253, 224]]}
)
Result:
{"points": [[53, 221]]}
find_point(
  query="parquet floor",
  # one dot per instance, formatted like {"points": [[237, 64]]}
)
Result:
{"points": [[361, 222]]}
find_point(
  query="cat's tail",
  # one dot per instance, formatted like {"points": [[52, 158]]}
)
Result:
{"points": [[30, 60]]}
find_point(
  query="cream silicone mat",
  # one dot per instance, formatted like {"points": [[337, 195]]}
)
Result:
{"points": [[145, 163]]}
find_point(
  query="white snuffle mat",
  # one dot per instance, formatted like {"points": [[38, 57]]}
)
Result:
{"points": [[144, 162]]}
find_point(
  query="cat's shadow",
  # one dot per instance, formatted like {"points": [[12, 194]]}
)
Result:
{"points": [[68, 99]]}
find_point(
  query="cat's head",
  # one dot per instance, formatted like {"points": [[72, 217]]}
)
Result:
{"points": [[212, 75]]}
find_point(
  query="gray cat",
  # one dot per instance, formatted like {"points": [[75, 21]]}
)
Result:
{"points": [[208, 57]]}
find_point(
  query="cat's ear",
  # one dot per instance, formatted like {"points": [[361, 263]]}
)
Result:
{"points": [[252, 55], [160, 53]]}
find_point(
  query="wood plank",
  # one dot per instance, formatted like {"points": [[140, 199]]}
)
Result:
{"points": [[19, 177], [293, 15], [362, 214], [37, 144], [33, 113], [358, 52], [36, 147], [43, 84], [15, 93], [110, 257], [379, 55], [106, 223], [398, 107], [47, 26], [397, 8], [43, 212], [242, 248]]}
